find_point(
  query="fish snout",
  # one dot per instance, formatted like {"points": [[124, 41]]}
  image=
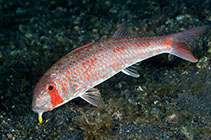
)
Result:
{"points": [[41, 103]]}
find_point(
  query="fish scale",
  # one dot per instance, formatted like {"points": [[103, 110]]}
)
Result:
{"points": [[77, 73]]}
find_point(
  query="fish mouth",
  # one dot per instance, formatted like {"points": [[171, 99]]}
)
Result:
{"points": [[37, 110]]}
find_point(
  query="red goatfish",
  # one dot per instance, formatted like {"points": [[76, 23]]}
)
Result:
{"points": [[77, 73]]}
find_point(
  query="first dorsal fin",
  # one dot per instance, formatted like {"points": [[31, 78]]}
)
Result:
{"points": [[122, 31]]}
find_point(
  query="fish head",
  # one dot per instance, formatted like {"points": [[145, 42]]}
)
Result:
{"points": [[46, 95]]}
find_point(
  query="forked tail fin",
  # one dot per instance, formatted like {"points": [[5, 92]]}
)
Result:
{"points": [[180, 49]]}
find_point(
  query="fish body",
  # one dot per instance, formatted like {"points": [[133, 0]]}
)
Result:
{"points": [[77, 73]]}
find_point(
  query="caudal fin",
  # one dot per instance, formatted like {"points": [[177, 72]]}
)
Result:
{"points": [[189, 34], [180, 49]]}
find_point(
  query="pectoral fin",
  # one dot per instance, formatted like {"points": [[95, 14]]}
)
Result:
{"points": [[93, 97]]}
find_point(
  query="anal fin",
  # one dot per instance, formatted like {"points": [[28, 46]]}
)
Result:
{"points": [[131, 72], [93, 97]]}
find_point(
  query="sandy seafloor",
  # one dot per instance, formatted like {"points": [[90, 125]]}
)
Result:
{"points": [[170, 100]]}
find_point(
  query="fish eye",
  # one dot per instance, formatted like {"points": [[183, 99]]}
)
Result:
{"points": [[50, 87]]}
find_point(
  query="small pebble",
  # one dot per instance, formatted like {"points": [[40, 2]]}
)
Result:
{"points": [[209, 50], [1, 55], [113, 10], [172, 118], [76, 28], [28, 35], [139, 88], [95, 30], [9, 135]]}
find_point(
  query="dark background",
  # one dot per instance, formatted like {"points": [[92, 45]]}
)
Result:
{"points": [[171, 99]]}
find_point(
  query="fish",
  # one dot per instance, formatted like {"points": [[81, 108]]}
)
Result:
{"points": [[77, 73]]}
